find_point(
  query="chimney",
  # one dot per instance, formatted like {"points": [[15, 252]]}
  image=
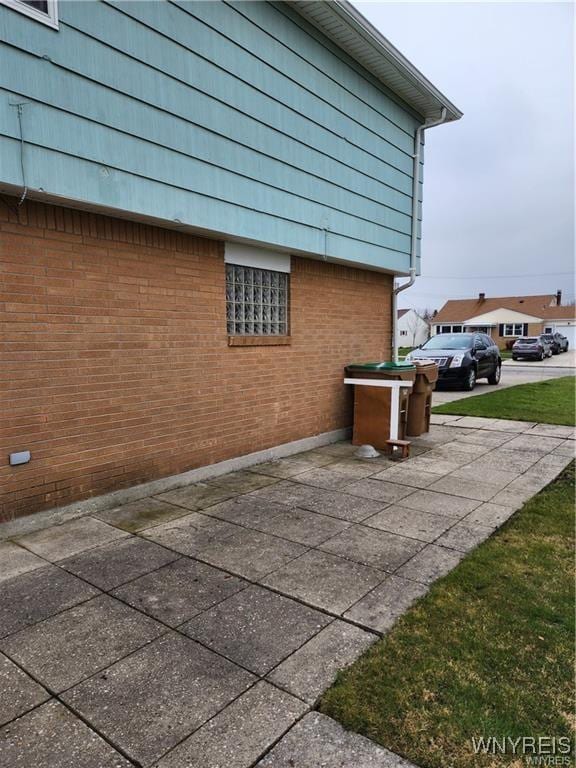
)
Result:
{"points": [[481, 296], [558, 298]]}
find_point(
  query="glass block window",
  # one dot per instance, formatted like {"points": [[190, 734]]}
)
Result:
{"points": [[256, 301]]}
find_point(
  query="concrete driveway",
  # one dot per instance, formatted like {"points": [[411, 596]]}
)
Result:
{"points": [[199, 627], [513, 373], [564, 360]]}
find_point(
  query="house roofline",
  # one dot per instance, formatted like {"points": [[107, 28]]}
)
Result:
{"points": [[342, 23]]}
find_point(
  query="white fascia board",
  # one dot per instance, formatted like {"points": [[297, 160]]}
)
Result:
{"points": [[261, 258]]}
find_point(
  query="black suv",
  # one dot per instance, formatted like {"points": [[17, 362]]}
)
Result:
{"points": [[462, 358], [558, 342]]}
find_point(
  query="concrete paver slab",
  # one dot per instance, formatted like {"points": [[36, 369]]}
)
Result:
{"points": [[32, 597], [405, 475], [342, 449], [513, 461], [250, 554], [139, 515], [324, 580], [440, 504], [430, 564], [196, 497], [241, 733], [356, 469], [302, 526], [475, 422], [151, 700], [309, 671], [488, 438], [325, 477], [434, 464], [318, 741], [70, 538], [178, 591], [317, 458], [18, 692], [509, 425], [283, 468], [553, 430], [114, 564], [496, 477], [190, 534], [381, 608], [52, 737], [15, 560], [67, 648], [256, 628], [489, 515], [533, 443], [376, 548], [424, 526], [287, 492], [467, 488], [242, 481], [566, 448], [379, 490], [464, 537], [342, 505], [246, 510]]}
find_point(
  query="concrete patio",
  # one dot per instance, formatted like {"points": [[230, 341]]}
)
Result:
{"points": [[199, 627]]}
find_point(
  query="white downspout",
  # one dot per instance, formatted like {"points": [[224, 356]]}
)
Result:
{"points": [[414, 230]]}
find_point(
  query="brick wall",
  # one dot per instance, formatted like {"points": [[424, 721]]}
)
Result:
{"points": [[534, 329], [116, 367]]}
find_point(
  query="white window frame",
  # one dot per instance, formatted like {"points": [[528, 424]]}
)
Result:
{"points": [[514, 327], [50, 18], [549, 329]]}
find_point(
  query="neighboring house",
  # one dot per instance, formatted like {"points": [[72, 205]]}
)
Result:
{"points": [[411, 329], [507, 318], [204, 205]]}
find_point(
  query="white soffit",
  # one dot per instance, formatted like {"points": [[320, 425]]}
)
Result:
{"points": [[261, 258], [342, 23]]}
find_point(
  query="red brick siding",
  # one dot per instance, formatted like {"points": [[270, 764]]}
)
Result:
{"points": [[116, 367]]}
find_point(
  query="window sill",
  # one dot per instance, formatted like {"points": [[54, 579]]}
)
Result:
{"points": [[259, 341]]}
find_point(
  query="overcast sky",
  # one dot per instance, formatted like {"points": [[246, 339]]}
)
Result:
{"points": [[499, 183]]}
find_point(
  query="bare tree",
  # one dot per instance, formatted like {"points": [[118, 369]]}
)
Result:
{"points": [[413, 325], [427, 314]]}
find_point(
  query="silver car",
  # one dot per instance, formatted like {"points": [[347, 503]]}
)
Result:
{"points": [[531, 348]]}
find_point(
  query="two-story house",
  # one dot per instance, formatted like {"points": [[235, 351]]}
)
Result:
{"points": [[203, 206]]}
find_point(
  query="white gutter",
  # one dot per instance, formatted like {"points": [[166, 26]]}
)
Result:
{"points": [[414, 230]]}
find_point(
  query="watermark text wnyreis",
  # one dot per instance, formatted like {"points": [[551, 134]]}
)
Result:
{"points": [[536, 750]]}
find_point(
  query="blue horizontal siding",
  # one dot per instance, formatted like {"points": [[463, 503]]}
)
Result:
{"points": [[225, 114]]}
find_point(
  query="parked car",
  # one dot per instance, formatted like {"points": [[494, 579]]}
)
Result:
{"points": [[531, 348], [462, 358], [557, 341]]}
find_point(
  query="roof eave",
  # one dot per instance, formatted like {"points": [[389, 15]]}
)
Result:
{"points": [[342, 23]]}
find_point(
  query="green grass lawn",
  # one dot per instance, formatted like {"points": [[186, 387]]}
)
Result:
{"points": [[487, 652], [550, 402]]}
